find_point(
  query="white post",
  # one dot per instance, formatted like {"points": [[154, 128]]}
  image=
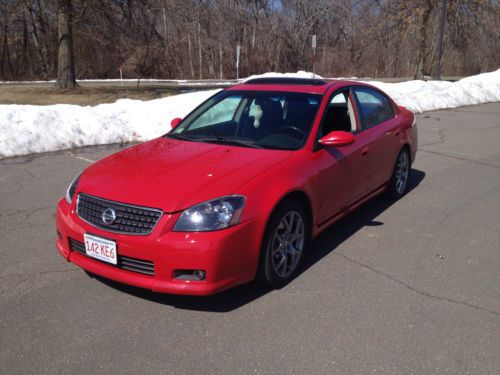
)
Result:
{"points": [[238, 48], [121, 78], [164, 23], [314, 53], [199, 50], [220, 61]]}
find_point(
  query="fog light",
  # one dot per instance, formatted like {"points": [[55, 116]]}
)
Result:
{"points": [[199, 275], [190, 275]]}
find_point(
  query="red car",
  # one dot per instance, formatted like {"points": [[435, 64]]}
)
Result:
{"points": [[237, 190]]}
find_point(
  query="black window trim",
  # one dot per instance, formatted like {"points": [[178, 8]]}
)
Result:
{"points": [[317, 145]]}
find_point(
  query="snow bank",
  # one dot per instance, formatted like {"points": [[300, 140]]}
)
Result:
{"points": [[422, 96], [26, 129]]}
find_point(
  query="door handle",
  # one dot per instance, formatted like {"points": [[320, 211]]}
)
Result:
{"points": [[396, 132], [365, 150]]}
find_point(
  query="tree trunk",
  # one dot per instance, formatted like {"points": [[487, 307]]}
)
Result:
{"points": [[190, 56], [66, 62], [419, 74], [6, 55], [199, 51]]}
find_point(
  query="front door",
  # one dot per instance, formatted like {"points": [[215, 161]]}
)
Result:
{"points": [[342, 171]]}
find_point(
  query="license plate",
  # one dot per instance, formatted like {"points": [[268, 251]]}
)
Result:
{"points": [[100, 248]]}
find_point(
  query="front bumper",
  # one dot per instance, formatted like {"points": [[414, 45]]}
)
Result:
{"points": [[229, 257]]}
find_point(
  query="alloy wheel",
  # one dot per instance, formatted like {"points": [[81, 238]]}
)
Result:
{"points": [[402, 172], [287, 244]]}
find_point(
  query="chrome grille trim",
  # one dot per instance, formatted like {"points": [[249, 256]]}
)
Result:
{"points": [[131, 219]]}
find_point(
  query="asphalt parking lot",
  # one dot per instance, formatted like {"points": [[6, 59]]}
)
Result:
{"points": [[411, 287]]}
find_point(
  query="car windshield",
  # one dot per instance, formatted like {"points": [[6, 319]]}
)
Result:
{"points": [[275, 120]]}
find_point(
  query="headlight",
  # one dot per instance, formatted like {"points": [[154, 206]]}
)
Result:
{"points": [[71, 189], [216, 214]]}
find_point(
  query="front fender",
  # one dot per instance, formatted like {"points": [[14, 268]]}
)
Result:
{"points": [[268, 189]]}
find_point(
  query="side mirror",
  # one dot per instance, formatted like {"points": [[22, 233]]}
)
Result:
{"points": [[176, 121], [337, 138]]}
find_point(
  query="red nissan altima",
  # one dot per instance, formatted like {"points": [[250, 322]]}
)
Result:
{"points": [[237, 189]]}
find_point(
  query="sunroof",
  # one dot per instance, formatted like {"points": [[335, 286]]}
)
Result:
{"points": [[286, 81]]}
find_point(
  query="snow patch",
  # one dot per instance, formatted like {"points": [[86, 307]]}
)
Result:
{"points": [[299, 74]]}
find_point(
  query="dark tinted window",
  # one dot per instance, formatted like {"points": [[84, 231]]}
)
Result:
{"points": [[375, 107]]}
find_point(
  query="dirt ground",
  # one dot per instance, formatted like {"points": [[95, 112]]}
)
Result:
{"points": [[88, 94], [98, 92]]}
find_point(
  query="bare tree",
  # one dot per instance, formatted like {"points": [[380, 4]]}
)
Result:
{"points": [[198, 38], [66, 62]]}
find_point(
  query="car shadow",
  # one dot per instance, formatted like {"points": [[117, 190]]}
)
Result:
{"points": [[236, 297]]}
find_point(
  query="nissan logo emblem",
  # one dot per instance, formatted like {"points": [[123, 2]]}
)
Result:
{"points": [[108, 216]]}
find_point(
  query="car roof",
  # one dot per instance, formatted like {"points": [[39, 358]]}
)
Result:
{"points": [[285, 84]]}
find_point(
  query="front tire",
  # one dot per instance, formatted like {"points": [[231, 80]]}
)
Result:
{"points": [[285, 242], [400, 176]]}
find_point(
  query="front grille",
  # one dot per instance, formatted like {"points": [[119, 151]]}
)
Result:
{"points": [[129, 219], [145, 267]]}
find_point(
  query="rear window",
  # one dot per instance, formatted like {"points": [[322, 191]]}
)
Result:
{"points": [[375, 107]]}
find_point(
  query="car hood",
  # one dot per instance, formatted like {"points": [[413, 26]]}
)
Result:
{"points": [[173, 175]]}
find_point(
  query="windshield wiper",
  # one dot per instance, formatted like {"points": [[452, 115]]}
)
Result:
{"points": [[179, 136], [229, 141], [273, 147]]}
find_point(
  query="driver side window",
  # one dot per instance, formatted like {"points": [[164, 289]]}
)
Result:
{"points": [[339, 114]]}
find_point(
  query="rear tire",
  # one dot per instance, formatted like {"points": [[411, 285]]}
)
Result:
{"points": [[398, 184], [286, 240]]}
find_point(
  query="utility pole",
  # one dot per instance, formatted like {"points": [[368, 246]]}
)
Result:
{"points": [[220, 61], [437, 68]]}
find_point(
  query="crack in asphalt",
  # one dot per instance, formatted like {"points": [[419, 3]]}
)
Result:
{"points": [[28, 212], [413, 289], [13, 287], [26, 226], [28, 276], [17, 190], [442, 131], [29, 173], [439, 141], [39, 273], [466, 110], [460, 158], [69, 153]]}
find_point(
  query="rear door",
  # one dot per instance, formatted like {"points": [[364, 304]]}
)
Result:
{"points": [[380, 127]]}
